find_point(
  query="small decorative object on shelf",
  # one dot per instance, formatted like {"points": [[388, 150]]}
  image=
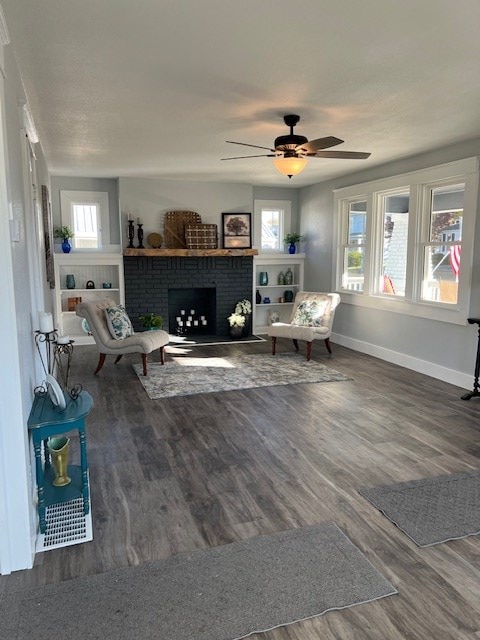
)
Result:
{"points": [[106, 285], [151, 321], [263, 278], [70, 281], [281, 278], [266, 300], [258, 297], [46, 336], [291, 239], [140, 233], [66, 234], [288, 277], [90, 284], [273, 316], [288, 295]]}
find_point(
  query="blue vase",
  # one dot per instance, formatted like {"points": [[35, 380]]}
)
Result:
{"points": [[66, 246], [70, 281], [263, 280], [291, 247]]}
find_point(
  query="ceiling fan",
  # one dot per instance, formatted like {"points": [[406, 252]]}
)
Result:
{"points": [[291, 152]]}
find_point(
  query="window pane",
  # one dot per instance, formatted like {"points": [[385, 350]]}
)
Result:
{"points": [[395, 243], [353, 271], [271, 229], [440, 283], [357, 221], [446, 214], [85, 226]]}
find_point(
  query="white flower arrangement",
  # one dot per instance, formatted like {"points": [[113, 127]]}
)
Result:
{"points": [[236, 320], [244, 307]]}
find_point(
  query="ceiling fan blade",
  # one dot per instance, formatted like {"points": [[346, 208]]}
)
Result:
{"points": [[347, 155], [262, 155], [245, 144], [319, 143]]}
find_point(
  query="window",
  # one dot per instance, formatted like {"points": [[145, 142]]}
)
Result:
{"points": [[271, 223], [406, 243], [86, 212]]}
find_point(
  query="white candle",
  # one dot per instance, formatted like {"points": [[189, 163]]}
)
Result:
{"points": [[46, 322], [195, 323], [204, 322], [130, 217], [179, 318], [139, 221], [182, 312], [63, 340], [202, 317], [189, 324], [189, 318], [192, 312]]}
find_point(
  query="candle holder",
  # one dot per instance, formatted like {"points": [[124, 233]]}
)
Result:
{"points": [[62, 360], [140, 236], [49, 340], [131, 234]]}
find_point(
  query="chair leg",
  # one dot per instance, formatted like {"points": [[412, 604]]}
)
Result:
{"points": [[118, 358], [274, 344], [309, 350], [144, 362], [328, 345], [295, 343], [162, 355], [101, 362]]}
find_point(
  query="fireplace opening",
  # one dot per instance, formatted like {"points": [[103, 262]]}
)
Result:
{"points": [[192, 311]]}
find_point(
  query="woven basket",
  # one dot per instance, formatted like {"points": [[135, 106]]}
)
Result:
{"points": [[201, 236], [174, 227]]}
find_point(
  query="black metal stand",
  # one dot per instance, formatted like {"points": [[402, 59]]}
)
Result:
{"points": [[476, 385]]}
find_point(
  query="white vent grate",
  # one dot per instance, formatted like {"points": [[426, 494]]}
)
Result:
{"points": [[66, 525]]}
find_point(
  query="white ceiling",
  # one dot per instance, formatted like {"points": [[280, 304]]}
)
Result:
{"points": [[156, 87]]}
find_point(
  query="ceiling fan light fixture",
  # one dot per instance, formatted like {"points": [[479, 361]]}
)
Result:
{"points": [[290, 166]]}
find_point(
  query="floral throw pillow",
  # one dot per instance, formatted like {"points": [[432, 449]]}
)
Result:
{"points": [[118, 322], [309, 313]]}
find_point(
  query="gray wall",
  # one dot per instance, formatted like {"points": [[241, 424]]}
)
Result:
{"points": [[441, 349], [69, 183]]}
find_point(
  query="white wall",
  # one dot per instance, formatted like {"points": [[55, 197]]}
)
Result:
{"points": [[442, 350], [18, 373]]}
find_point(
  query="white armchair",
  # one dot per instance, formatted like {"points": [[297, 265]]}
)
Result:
{"points": [[311, 319], [143, 343]]}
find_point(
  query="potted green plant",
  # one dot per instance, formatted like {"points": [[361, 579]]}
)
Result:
{"points": [[66, 234], [151, 321], [291, 239]]}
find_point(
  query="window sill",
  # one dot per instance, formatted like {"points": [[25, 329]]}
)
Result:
{"points": [[451, 314]]}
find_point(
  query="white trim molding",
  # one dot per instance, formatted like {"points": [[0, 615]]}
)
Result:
{"points": [[4, 35]]}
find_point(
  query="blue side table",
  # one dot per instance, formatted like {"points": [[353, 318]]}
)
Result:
{"points": [[46, 420]]}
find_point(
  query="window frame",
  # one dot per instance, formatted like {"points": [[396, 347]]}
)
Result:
{"points": [[285, 208], [100, 198], [420, 183]]}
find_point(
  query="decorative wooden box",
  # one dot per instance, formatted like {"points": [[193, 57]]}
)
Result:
{"points": [[201, 236]]}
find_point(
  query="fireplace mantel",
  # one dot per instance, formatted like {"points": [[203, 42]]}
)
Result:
{"points": [[189, 253]]}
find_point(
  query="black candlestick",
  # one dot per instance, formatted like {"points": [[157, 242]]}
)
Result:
{"points": [[140, 236], [131, 234]]}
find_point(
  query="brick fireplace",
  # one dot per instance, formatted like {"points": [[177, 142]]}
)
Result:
{"points": [[149, 279]]}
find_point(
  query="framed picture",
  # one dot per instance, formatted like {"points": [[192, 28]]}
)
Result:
{"points": [[237, 230], [48, 236]]}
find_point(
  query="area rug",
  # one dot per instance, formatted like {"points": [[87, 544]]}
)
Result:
{"points": [[183, 376], [221, 593], [433, 510]]}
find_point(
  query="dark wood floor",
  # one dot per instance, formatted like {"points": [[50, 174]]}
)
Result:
{"points": [[170, 476]]}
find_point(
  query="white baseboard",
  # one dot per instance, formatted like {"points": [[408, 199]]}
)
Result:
{"points": [[457, 378]]}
